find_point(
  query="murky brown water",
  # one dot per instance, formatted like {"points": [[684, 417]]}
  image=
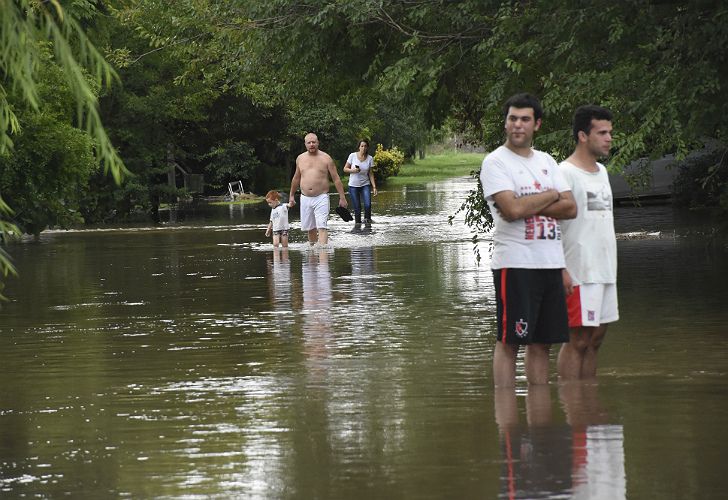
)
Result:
{"points": [[193, 361]]}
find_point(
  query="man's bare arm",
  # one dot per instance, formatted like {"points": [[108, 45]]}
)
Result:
{"points": [[295, 183], [512, 208], [564, 208]]}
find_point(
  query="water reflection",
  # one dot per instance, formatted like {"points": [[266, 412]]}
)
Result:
{"points": [[597, 447], [313, 419], [233, 208], [151, 363], [317, 302], [537, 456], [363, 275], [546, 458], [280, 284]]}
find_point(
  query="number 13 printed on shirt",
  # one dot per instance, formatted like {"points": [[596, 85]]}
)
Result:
{"points": [[540, 227]]}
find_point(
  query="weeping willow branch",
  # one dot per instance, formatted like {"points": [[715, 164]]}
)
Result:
{"points": [[25, 25]]}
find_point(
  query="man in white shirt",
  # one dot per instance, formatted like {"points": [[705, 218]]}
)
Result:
{"points": [[590, 245], [527, 196]]}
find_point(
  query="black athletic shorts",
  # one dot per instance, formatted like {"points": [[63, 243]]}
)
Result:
{"points": [[531, 306]]}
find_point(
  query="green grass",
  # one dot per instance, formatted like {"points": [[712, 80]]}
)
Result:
{"points": [[244, 201], [436, 167]]}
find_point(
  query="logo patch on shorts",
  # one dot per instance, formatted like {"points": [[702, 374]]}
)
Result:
{"points": [[590, 315], [521, 328]]}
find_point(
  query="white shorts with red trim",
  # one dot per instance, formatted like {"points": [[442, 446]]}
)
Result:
{"points": [[592, 304]]}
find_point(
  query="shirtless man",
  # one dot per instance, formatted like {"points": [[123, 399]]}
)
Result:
{"points": [[313, 169]]}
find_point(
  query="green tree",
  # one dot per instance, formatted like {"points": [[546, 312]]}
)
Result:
{"points": [[23, 24], [47, 169], [307, 59], [177, 105], [657, 65]]}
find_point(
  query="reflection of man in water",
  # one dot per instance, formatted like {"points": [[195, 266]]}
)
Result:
{"points": [[313, 413], [317, 302], [597, 447], [536, 457], [590, 245]]}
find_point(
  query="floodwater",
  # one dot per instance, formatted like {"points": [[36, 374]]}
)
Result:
{"points": [[191, 360]]}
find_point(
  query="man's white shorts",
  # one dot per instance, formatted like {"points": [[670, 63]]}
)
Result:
{"points": [[592, 304], [314, 211]]}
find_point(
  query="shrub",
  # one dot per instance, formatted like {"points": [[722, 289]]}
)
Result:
{"points": [[387, 162]]}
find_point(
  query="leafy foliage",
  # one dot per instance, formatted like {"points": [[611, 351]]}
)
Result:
{"points": [[7, 230], [387, 162], [313, 60], [477, 213], [24, 24], [702, 181], [657, 65], [49, 166], [230, 162], [47, 196]]}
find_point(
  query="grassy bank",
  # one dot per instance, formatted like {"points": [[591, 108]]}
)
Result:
{"points": [[436, 167], [247, 199]]}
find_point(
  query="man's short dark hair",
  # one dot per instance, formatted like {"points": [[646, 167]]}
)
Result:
{"points": [[584, 115], [524, 101]]}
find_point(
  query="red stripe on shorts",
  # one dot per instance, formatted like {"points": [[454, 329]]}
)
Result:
{"points": [[504, 302], [573, 305]]}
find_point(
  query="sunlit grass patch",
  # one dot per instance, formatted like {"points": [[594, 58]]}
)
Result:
{"points": [[436, 167]]}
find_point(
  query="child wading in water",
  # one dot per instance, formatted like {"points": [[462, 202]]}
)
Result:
{"points": [[278, 224]]}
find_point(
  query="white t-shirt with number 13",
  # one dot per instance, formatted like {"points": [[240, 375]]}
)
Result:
{"points": [[533, 242]]}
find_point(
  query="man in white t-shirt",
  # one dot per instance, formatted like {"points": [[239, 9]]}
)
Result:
{"points": [[590, 245], [527, 196]]}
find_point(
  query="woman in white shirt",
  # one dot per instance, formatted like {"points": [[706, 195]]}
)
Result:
{"points": [[361, 181]]}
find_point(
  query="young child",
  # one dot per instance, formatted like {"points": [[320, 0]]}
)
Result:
{"points": [[278, 225]]}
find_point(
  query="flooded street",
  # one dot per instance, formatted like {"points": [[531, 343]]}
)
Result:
{"points": [[191, 360]]}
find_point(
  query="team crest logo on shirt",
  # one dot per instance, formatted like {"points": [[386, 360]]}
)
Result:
{"points": [[521, 328], [545, 171], [537, 185], [590, 315]]}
